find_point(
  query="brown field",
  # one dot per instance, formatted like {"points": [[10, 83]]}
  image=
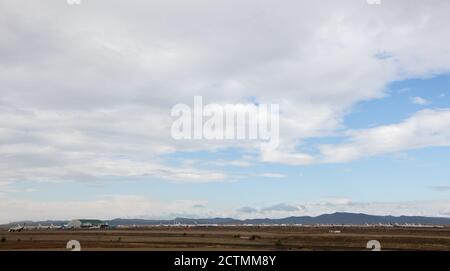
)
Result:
{"points": [[230, 238]]}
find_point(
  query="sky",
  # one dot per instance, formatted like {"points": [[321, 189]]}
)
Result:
{"points": [[87, 91]]}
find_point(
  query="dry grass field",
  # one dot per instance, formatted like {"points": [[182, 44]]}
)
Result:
{"points": [[230, 238]]}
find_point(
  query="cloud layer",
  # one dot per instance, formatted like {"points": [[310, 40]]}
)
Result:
{"points": [[86, 90], [82, 85]]}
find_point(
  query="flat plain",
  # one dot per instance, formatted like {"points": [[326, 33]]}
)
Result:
{"points": [[231, 238]]}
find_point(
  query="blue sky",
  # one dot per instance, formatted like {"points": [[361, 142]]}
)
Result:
{"points": [[363, 90]]}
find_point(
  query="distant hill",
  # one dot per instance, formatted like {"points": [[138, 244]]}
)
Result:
{"points": [[335, 218], [351, 218]]}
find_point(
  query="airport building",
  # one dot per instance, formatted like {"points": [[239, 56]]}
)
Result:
{"points": [[86, 224]]}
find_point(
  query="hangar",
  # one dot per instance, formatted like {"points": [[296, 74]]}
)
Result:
{"points": [[86, 224]]}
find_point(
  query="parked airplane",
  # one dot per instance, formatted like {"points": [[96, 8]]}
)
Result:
{"points": [[17, 228], [53, 227], [40, 227]]}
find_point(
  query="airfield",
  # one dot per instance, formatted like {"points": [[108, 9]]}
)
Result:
{"points": [[290, 238]]}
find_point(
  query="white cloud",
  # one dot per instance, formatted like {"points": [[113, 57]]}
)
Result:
{"points": [[336, 201], [426, 128], [420, 101], [247, 210], [83, 86], [234, 163], [288, 158], [272, 175], [98, 169], [282, 207]]}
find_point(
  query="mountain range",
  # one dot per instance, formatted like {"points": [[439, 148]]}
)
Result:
{"points": [[339, 218]]}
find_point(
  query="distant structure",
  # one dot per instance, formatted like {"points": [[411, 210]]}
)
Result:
{"points": [[87, 224]]}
